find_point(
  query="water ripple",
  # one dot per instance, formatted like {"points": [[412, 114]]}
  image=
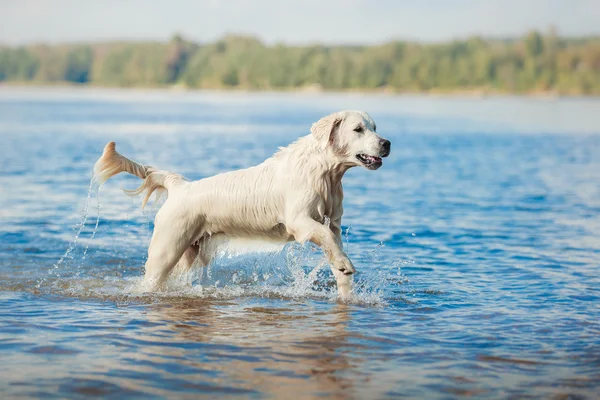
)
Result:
{"points": [[476, 246]]}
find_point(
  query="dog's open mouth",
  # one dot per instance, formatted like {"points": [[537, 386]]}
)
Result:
{"points": [[371, 162]]}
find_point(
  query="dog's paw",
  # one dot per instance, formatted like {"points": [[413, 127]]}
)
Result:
{"points": [[345, 266]]}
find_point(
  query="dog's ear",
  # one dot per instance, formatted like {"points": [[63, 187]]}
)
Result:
{"points": [[325, 129]]}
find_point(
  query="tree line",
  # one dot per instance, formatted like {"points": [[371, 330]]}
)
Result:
{"points": [[537, 62]]}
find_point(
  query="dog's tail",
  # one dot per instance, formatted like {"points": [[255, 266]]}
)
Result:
{"points": [[112, 163]]}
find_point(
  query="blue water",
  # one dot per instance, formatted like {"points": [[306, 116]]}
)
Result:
{"points": [[477, 245]]}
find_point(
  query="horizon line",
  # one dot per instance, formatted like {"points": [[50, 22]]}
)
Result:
{"points": [[269, 43]]}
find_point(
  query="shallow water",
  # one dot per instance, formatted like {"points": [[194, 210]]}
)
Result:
{"points": [[477, 245]]}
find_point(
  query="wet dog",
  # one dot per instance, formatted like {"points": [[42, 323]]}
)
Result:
{"points": [[287, 197]]}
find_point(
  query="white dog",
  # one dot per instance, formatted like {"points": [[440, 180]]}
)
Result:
{"points": [[288, 197]]}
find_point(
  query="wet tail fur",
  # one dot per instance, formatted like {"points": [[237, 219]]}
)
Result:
{"points": [[112, 163]]}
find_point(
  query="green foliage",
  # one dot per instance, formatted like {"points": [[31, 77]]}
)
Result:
{"points": [[537, 62], [79, 64], [17, 64]]}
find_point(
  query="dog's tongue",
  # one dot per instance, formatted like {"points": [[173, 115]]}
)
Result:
{"points": [[373, 159]]}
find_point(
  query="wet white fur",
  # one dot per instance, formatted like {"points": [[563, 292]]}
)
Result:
{"points": [[287, 197]]}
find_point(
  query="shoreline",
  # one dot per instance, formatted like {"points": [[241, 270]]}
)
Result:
{"points": [[472, 93]]}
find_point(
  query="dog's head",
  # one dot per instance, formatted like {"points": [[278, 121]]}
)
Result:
{"points": [[352, 138]]}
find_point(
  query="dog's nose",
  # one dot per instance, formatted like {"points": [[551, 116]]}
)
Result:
{"points": [[386, 144]]}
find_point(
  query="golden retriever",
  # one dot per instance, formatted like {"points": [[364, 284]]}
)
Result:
{"points": [[290, 196]]}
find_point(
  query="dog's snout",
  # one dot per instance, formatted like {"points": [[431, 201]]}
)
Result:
{"points": [[386, 145]]}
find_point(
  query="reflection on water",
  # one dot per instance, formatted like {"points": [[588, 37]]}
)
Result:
{"points": [[476, 245], [227, 347], [296, 345]]}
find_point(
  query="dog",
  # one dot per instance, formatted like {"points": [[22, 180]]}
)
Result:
{"points": [[289, 197]]}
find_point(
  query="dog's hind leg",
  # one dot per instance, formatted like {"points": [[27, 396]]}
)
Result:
{"points": [[171, 238], [209, 246], [200, 254], [187, 260]]}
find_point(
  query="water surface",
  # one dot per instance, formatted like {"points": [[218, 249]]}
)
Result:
{"points": [[477, 245]]}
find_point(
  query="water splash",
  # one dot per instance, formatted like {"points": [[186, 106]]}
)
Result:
{"points": [[293, 271], [299, 272], [286, 274], [87, 246], [78, 228], [347, 239]]}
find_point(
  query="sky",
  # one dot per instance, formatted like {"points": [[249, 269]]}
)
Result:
{"points": [[292, 22]]}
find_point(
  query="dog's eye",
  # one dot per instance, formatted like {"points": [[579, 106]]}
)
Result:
{"points": [[358, 129]]}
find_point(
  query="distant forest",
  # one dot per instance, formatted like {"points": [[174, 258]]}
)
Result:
{"points": [[535, 63]]}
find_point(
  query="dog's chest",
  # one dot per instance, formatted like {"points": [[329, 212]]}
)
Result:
{"points": [[330, 205]]}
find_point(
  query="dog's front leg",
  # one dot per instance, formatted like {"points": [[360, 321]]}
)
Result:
{"points": [[336, 227], [306, 228], [344, 282]]}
